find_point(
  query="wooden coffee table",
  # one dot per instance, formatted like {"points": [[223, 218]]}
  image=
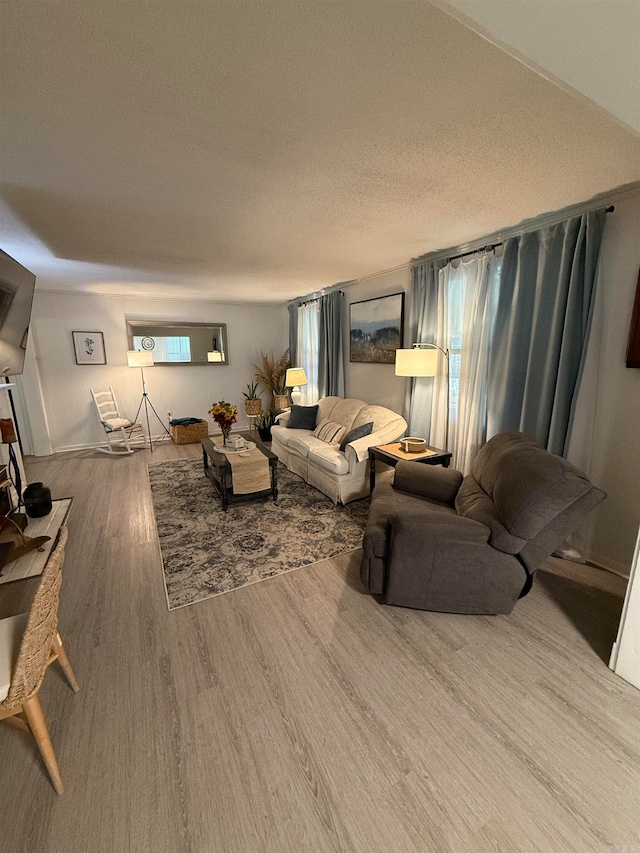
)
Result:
{"points": [[438, 457], [218, 469]]}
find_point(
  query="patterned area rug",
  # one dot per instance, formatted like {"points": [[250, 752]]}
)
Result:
{"points": [[206, 551]]}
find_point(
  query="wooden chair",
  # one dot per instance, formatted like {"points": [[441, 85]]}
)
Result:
{"points": [[29, 643], [121, 432]]}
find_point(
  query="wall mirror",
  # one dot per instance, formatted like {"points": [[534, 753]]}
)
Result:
{"points": [[180, 343]]}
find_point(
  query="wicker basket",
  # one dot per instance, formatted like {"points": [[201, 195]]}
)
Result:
{"points": [[281, 401], [191, 434], [253, 407]]}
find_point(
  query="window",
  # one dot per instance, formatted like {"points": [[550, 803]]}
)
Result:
{"points": [[308, 347], [467, 301], [178, 349]]}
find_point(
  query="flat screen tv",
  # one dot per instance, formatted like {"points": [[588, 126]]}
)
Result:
{"points": [[16, 298]]}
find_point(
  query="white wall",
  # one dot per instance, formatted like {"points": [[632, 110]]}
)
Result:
{"points": [[183, 390], [376, 383]]}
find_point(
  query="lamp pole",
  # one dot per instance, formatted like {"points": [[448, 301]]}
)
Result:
{"points": [[407, 364], [142, 359]]}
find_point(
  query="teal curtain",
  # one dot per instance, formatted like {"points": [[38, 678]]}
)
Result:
{"points": [[423, 322], [545, 303], [293, 332], [331, 351]]}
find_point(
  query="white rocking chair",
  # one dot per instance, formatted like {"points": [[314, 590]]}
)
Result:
{"points": [[121, 432]]}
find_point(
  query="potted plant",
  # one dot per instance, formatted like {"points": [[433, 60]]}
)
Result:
{"points": [[271, 374], [224, 414], [252, 403], [264, 422], [280, 397]]}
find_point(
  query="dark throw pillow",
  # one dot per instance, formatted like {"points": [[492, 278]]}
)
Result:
{"points": [[356, 432], [303, 417]]}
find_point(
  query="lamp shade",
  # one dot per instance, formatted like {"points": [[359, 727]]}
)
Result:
{"points": [[416, 362], [295, 376], [139, 359], [214, 355]]}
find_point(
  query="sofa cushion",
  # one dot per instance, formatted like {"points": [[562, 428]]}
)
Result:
{"points": [[300, 442], [286, 435], [328, 457], [303, 417], [474, 503], [325, 408], [356, 433], [379, 415], [528, 485], [345, 411], [329, 431]]}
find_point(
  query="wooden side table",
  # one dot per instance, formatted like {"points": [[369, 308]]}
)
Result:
{"points": [[392, 453]]}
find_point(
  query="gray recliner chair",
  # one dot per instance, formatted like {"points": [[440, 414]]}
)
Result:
{"points": [[437, 541]]}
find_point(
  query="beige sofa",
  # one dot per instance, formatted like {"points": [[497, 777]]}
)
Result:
{"points": [[343, 476]]}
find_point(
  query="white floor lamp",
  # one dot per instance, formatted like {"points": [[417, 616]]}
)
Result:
{"points": [[142, 360], [294, 379], [422, 360]]}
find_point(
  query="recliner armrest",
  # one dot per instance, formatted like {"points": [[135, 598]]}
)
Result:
{"points": [[425, 526], [427, 481]]}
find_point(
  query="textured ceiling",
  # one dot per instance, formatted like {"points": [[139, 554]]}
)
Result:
{"points": [[594, 47], [254, 151]]}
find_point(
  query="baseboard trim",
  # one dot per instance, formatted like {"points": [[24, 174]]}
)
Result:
{"points": [[609, 565]]}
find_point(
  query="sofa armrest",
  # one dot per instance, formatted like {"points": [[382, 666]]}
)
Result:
{"points": [[283, 418], [427, 481], [358, 450]]}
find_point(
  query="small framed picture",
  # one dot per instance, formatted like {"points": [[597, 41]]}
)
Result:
{"points": [[89, 347]]}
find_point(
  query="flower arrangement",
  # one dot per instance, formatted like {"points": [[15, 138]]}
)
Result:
{"points": [[224, 414]]}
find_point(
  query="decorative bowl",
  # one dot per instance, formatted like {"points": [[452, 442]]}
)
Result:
{"points": [[411, 444]]}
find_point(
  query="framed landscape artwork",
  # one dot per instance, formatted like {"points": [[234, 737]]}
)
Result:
{"points": [[89, 347], [375, 329]]}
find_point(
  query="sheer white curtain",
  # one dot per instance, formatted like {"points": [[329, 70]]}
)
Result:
{"points": [[467, 298], [308, 349]]}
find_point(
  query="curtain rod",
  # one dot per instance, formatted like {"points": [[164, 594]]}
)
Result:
{"points": [[492, 246], [489, 248], [445, 256], [317, 294]]}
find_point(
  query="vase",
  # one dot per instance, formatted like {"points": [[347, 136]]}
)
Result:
{"points": [[226, 431], [37, 500]]}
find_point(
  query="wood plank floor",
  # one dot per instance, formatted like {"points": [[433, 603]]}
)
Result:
{"points": [[299, 714]]}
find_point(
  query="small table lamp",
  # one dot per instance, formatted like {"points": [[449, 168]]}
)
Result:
{"points": [[294, 379]]}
